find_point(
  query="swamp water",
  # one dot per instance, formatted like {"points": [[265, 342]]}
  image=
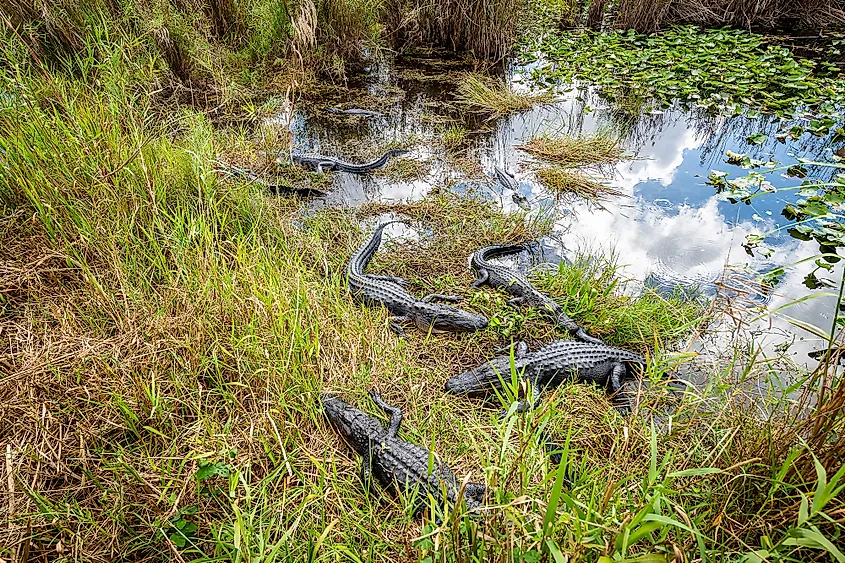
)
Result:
{"points": [[669, 228]]}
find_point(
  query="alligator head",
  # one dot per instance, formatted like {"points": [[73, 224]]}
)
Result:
{"points": [[443, 318], [354, 425], [481, 380]]}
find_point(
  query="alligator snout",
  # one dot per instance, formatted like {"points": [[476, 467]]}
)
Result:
{"points": [[465, 383], [456, 320]]}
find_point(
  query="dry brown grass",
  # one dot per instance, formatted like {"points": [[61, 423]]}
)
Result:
{"points": [[485, 28], [648, 16]]}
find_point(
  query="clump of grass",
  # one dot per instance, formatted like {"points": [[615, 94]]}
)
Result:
{"points": [[572, 152], [562, 181], [454, 137], [494, 97], [592, 288], [405, 169], [459, 226]]}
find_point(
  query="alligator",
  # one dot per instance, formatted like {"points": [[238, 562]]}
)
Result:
{"points": [[322, 163], [354, 111], [499, 275], [251, 176], [396, 464], [509, 182], [551, 365], [389, 291]]}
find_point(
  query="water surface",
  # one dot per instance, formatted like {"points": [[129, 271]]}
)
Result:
{"points": [[669, 229]]}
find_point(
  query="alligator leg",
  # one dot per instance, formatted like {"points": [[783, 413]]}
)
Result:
{"points": [[483, 276], [394, 326], [440, 296], [394, 279], [394, 412], [622, 401], [521, 349], [515, 302], [582, 335], [576, 330], [366, 473], [474, 495]]}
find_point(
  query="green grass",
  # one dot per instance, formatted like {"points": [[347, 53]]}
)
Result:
{"points": [[454, 137], [572, 152], [165, 335], [493, 97]]}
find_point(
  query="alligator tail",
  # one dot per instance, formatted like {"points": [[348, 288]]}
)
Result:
{"points": [[364, 254]]}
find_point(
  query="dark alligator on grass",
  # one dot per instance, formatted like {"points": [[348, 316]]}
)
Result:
{"points": [[321, 163], [551, 365], [508, 279], [395, 463], [389, 292], [251, 176], [354, 111], [509, 182]]}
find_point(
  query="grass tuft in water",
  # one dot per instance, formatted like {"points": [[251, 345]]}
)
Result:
{"points": [[562, 181], [490, 96], [572, 152]]}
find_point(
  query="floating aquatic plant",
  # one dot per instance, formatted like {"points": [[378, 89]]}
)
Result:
{"points": [[722, 69]]}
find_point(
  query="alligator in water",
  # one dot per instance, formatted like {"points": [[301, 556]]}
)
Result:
{"points": [[509, 182], [389, 291], [499, 275], [251, 176], [354, 111], [396, 464], [321, 163], [551, 365]]}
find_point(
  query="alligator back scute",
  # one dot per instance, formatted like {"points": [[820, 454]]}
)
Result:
{"points": [[405, 466]]}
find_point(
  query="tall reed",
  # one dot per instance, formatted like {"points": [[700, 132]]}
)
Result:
{"points": [[486, 28]]}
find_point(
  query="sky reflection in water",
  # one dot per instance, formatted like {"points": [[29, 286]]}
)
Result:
{"points": [[670, 230]]}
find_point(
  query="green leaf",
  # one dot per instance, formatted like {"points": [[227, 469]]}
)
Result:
{"points": [[555, 551], [757, 138], [695, 472], [803, 510], [813, 539]]}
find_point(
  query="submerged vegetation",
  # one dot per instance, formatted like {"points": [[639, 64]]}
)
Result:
{"points": [[166, 331], [722, 70]]}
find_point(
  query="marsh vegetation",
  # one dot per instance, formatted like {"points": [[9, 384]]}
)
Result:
{"points": [[166, 330]]}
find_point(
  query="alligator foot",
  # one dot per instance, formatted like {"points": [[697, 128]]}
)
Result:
{"points": [[450, 298], [394, 326], [521, 349], [582, 335], [515, 302], [483, 276], [394, 412]]}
